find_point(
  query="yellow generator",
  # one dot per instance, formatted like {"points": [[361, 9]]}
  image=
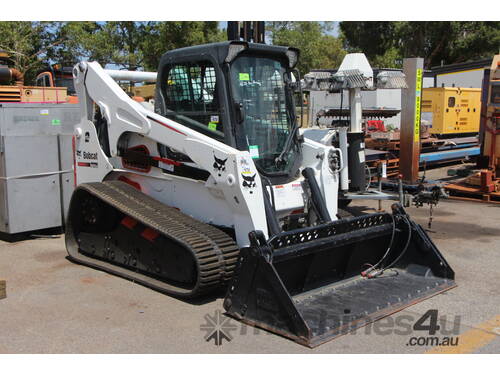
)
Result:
{"points": [[451, 110]]}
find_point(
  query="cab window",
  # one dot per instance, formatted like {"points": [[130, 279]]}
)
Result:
{"points": [[191, 97], [43, 80]]}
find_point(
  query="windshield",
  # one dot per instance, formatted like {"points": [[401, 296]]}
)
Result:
{"points": [[266, 104]]}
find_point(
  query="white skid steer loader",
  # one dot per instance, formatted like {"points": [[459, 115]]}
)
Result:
{"points": [[216, 188]]}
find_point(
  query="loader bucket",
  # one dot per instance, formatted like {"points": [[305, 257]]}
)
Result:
{"points": [[307, 284]]}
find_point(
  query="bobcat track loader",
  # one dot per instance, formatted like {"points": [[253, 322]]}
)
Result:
{"points": [[215, 188]]}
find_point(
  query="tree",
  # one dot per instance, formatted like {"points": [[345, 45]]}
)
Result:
{"points": [[160, 37], [117, 43], [371, 38], [437, 42], [318, 50], [80, 41], [126, 44], [28, 43]]}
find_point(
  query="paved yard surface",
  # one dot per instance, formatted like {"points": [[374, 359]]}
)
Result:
{"points": [[55, 306]]}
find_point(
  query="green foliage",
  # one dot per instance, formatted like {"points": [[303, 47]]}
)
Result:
{"points": [[119, 43], [28, 43], [133, 45], [371, 38], [126, 44], [318, 50], [161, 37], [390, 59], [385, 43]]}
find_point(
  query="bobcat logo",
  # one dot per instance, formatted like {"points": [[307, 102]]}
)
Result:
{"points": [[249, 181], [219, 165]]}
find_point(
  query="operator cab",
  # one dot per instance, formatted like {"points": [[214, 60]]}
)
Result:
{"points": [[56, 76], [238, 93]]}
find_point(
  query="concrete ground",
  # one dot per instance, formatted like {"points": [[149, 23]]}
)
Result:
{"points": [[55, 306]]}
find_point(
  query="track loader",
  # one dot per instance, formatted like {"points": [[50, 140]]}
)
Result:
{"points": [[215, 188]]}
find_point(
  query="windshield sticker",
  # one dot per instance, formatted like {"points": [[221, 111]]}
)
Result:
{"points": [[214, 118], [56, 121], [244, 76], [212, 126], [254, 151]]}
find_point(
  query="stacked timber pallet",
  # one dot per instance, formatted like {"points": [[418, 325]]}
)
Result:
{"points": [[3, 289], [473, 188], [392, 168], [469, 193], [393, 144]]}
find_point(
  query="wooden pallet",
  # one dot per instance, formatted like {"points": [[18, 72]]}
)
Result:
{"points": [[469, 193], [3, 289], [392, 168]]}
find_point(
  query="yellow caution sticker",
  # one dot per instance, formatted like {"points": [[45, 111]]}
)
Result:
{"points": [[418, 102]]}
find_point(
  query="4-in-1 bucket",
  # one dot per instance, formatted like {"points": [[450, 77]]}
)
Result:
{"points": [[314, 284]]}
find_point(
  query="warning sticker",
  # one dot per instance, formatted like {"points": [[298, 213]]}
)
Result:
{"points": [[361, 155], [244, 77], [279, 191], [44, 112], [167, 167], [246, 171], [214, 118], [418, 98]]}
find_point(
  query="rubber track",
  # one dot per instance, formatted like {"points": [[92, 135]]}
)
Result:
{"points": [[214, 251]]}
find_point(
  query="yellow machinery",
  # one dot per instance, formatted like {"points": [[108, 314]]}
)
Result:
{"points": [[486, 183], [146, 91], [455, 110]]}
